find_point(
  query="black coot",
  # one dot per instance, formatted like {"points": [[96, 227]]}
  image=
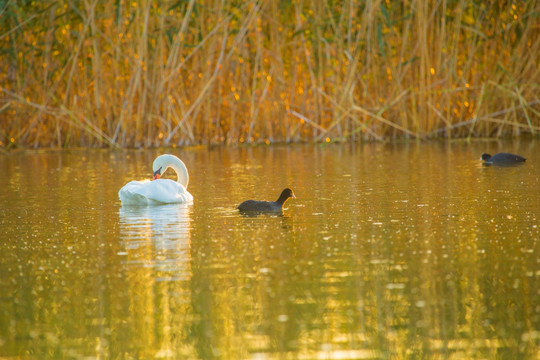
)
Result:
{"points": [[502, 159], [254, 205]]}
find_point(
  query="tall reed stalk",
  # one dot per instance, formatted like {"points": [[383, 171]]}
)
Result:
{"points": [[184, 72]]}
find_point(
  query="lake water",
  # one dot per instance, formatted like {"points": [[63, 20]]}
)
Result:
{"points": [[389, 251]]}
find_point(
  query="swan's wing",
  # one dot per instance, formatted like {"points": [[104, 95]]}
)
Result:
{"points": [[157, 191], [133, 199], [166, 191], [132, 193]]}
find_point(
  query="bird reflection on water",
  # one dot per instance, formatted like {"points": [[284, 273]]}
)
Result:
{"points": [[157, 236]]}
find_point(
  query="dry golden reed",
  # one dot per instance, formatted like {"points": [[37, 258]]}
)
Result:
{"points": [[167, 73]]}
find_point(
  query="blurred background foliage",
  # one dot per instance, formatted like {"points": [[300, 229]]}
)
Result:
{"points": [[172, 73]]}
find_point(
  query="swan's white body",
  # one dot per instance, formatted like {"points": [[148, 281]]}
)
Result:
{"points": [[159, 191]]}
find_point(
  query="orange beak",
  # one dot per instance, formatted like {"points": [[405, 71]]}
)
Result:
{"points": [[157, 174]]}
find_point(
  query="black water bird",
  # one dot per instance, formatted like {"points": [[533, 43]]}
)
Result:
{"points": [[267, 206], [502, 159]]}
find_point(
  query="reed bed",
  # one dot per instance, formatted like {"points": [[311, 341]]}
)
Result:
{"points": [[172, 73]]}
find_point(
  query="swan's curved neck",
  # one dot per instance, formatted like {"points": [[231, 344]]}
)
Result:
{"points": [[180, 168]]}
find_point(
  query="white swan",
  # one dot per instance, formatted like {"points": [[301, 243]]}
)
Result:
{"points": [[159, 191]]}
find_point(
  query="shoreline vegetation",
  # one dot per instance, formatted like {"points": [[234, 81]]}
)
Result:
{"points": [[177, 73]]}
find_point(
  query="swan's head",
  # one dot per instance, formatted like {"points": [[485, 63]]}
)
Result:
{"points": [[160, 165], [163, 162]]}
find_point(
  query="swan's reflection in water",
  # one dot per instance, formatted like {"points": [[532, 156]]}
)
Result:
{"points": [[157, 237]]}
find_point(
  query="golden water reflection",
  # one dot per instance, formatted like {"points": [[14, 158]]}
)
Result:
{"points": [[157, 258], [157, 237], [388, 252]]}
